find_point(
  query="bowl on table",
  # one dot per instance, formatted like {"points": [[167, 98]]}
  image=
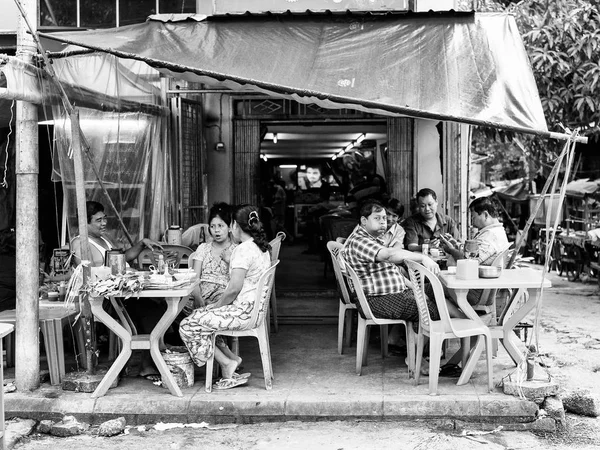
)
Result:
{"points": [[489, 271]]}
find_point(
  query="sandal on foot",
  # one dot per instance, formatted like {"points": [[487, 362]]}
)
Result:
{"points": [[153, 377], [450, 370], [241, 376], [229, 383]]}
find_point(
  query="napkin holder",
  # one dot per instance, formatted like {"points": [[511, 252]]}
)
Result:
{"points": [[467, 269]]}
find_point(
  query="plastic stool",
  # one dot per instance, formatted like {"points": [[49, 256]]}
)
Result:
{"points": [[52, 319]]}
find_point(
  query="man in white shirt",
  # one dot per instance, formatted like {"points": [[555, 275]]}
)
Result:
{"points": [[491, 238]]}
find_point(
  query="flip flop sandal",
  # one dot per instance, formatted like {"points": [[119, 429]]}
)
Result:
{"points": [[450, 370], [153, 377], [241, 376], [228, 383]]}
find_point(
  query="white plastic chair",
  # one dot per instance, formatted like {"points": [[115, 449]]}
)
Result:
{"points": [[368, 320], [275, 248], [345, 305], [444, 328], [257, 327]]}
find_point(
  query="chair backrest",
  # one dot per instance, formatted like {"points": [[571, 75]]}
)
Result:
{"points": [[419, 276], [501, 259], [263, 296], [334, 249], [276, 245], [342, 228], [354, 284], [177, 253], [191, 236]]}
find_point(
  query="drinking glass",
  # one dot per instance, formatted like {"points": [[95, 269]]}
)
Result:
{"points": [[471, 249]]}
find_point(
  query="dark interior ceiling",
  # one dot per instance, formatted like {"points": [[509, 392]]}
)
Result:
{"points": [[316, 141]]}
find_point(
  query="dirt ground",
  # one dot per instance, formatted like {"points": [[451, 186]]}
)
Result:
{"points": [[570, 348], [304, 435]]}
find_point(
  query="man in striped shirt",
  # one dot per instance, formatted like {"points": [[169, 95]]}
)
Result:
{"points": [[376, 266]]}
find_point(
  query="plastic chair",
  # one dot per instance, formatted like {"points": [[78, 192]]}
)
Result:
{"points": [[5, 330], [368, 320], [191, 236], [181, 252], [333, 227], [442, 329], [345, 305], [257, 327], [275, 248]]}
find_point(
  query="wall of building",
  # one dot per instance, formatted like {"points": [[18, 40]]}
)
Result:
{"points": [[219, 128], [428, 168]]}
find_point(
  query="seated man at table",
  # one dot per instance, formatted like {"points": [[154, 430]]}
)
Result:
{"points": [[491, 238], [385, 288], [394, 236], [145, 314], [427, 223]]}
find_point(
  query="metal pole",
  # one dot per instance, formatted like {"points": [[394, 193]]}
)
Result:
{"points": [[27, 370]]}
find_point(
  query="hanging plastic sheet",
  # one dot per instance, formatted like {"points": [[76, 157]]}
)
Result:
{"points": [[120, 145]]}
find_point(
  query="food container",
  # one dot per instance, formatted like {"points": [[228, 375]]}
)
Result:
{"points": [[489, 271], [174, 235], [466, 269]]}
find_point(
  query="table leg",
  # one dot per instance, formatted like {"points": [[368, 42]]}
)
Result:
{"points": [[174, 306], [467, 309], [508, 341], [119, 363]]}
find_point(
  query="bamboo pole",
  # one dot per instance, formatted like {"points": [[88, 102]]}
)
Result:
{"points": [[86, 312], [27, 370]]}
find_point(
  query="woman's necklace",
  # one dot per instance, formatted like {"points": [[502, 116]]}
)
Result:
{"points": [[217, 248]]}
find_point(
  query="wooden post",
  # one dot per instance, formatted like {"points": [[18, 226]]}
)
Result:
{"points": [[27, 370], [86, 312]]}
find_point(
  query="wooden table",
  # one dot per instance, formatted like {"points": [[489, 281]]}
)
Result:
{"points": [[175, 299], [523, 279]]}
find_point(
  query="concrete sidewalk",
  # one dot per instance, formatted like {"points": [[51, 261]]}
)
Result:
{"points": [[312, 382]]}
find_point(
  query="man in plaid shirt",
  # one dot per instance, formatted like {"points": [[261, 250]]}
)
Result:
{"points": [[375, 264]]}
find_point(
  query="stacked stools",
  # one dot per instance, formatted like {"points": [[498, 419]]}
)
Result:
{"points": [[53, 317]]}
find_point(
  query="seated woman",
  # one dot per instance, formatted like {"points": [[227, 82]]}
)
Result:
{"points": [[232, 311], [211, 260]]}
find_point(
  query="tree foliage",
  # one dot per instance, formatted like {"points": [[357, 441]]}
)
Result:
{"points": [[562, 39]]}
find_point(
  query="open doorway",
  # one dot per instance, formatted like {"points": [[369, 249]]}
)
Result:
{"points": [[308, 171]]}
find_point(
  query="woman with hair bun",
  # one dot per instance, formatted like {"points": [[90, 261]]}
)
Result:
{"points": [[232, 311]]}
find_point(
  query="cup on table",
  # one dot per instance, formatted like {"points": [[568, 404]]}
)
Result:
{"points": [[434, 252], [62, 291]]}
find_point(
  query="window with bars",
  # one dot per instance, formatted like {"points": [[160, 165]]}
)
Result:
{"points": [[106, 13]]}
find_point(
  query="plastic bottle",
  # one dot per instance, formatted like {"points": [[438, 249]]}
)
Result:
{"points": [[202, 239], [425, 247], [160, 264]]}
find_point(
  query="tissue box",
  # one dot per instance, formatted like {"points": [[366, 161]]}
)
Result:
{"points": [[467, 269]]}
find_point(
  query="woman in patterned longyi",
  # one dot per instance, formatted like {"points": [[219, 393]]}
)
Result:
{"points": [[233, 309]]}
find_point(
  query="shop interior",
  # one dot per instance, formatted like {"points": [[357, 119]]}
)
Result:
{"points": [[319, 167]]}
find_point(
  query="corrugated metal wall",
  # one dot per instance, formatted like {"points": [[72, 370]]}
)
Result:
{"points": [[246, 161]]}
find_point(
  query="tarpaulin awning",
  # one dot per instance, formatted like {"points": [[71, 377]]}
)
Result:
{"points": [[467, 68], [582, 187]]}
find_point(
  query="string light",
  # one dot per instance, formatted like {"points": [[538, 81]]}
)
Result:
{"points": [[350, 146]]}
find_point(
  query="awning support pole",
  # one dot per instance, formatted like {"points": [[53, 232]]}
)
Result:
{"points": [[27, 370]]}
